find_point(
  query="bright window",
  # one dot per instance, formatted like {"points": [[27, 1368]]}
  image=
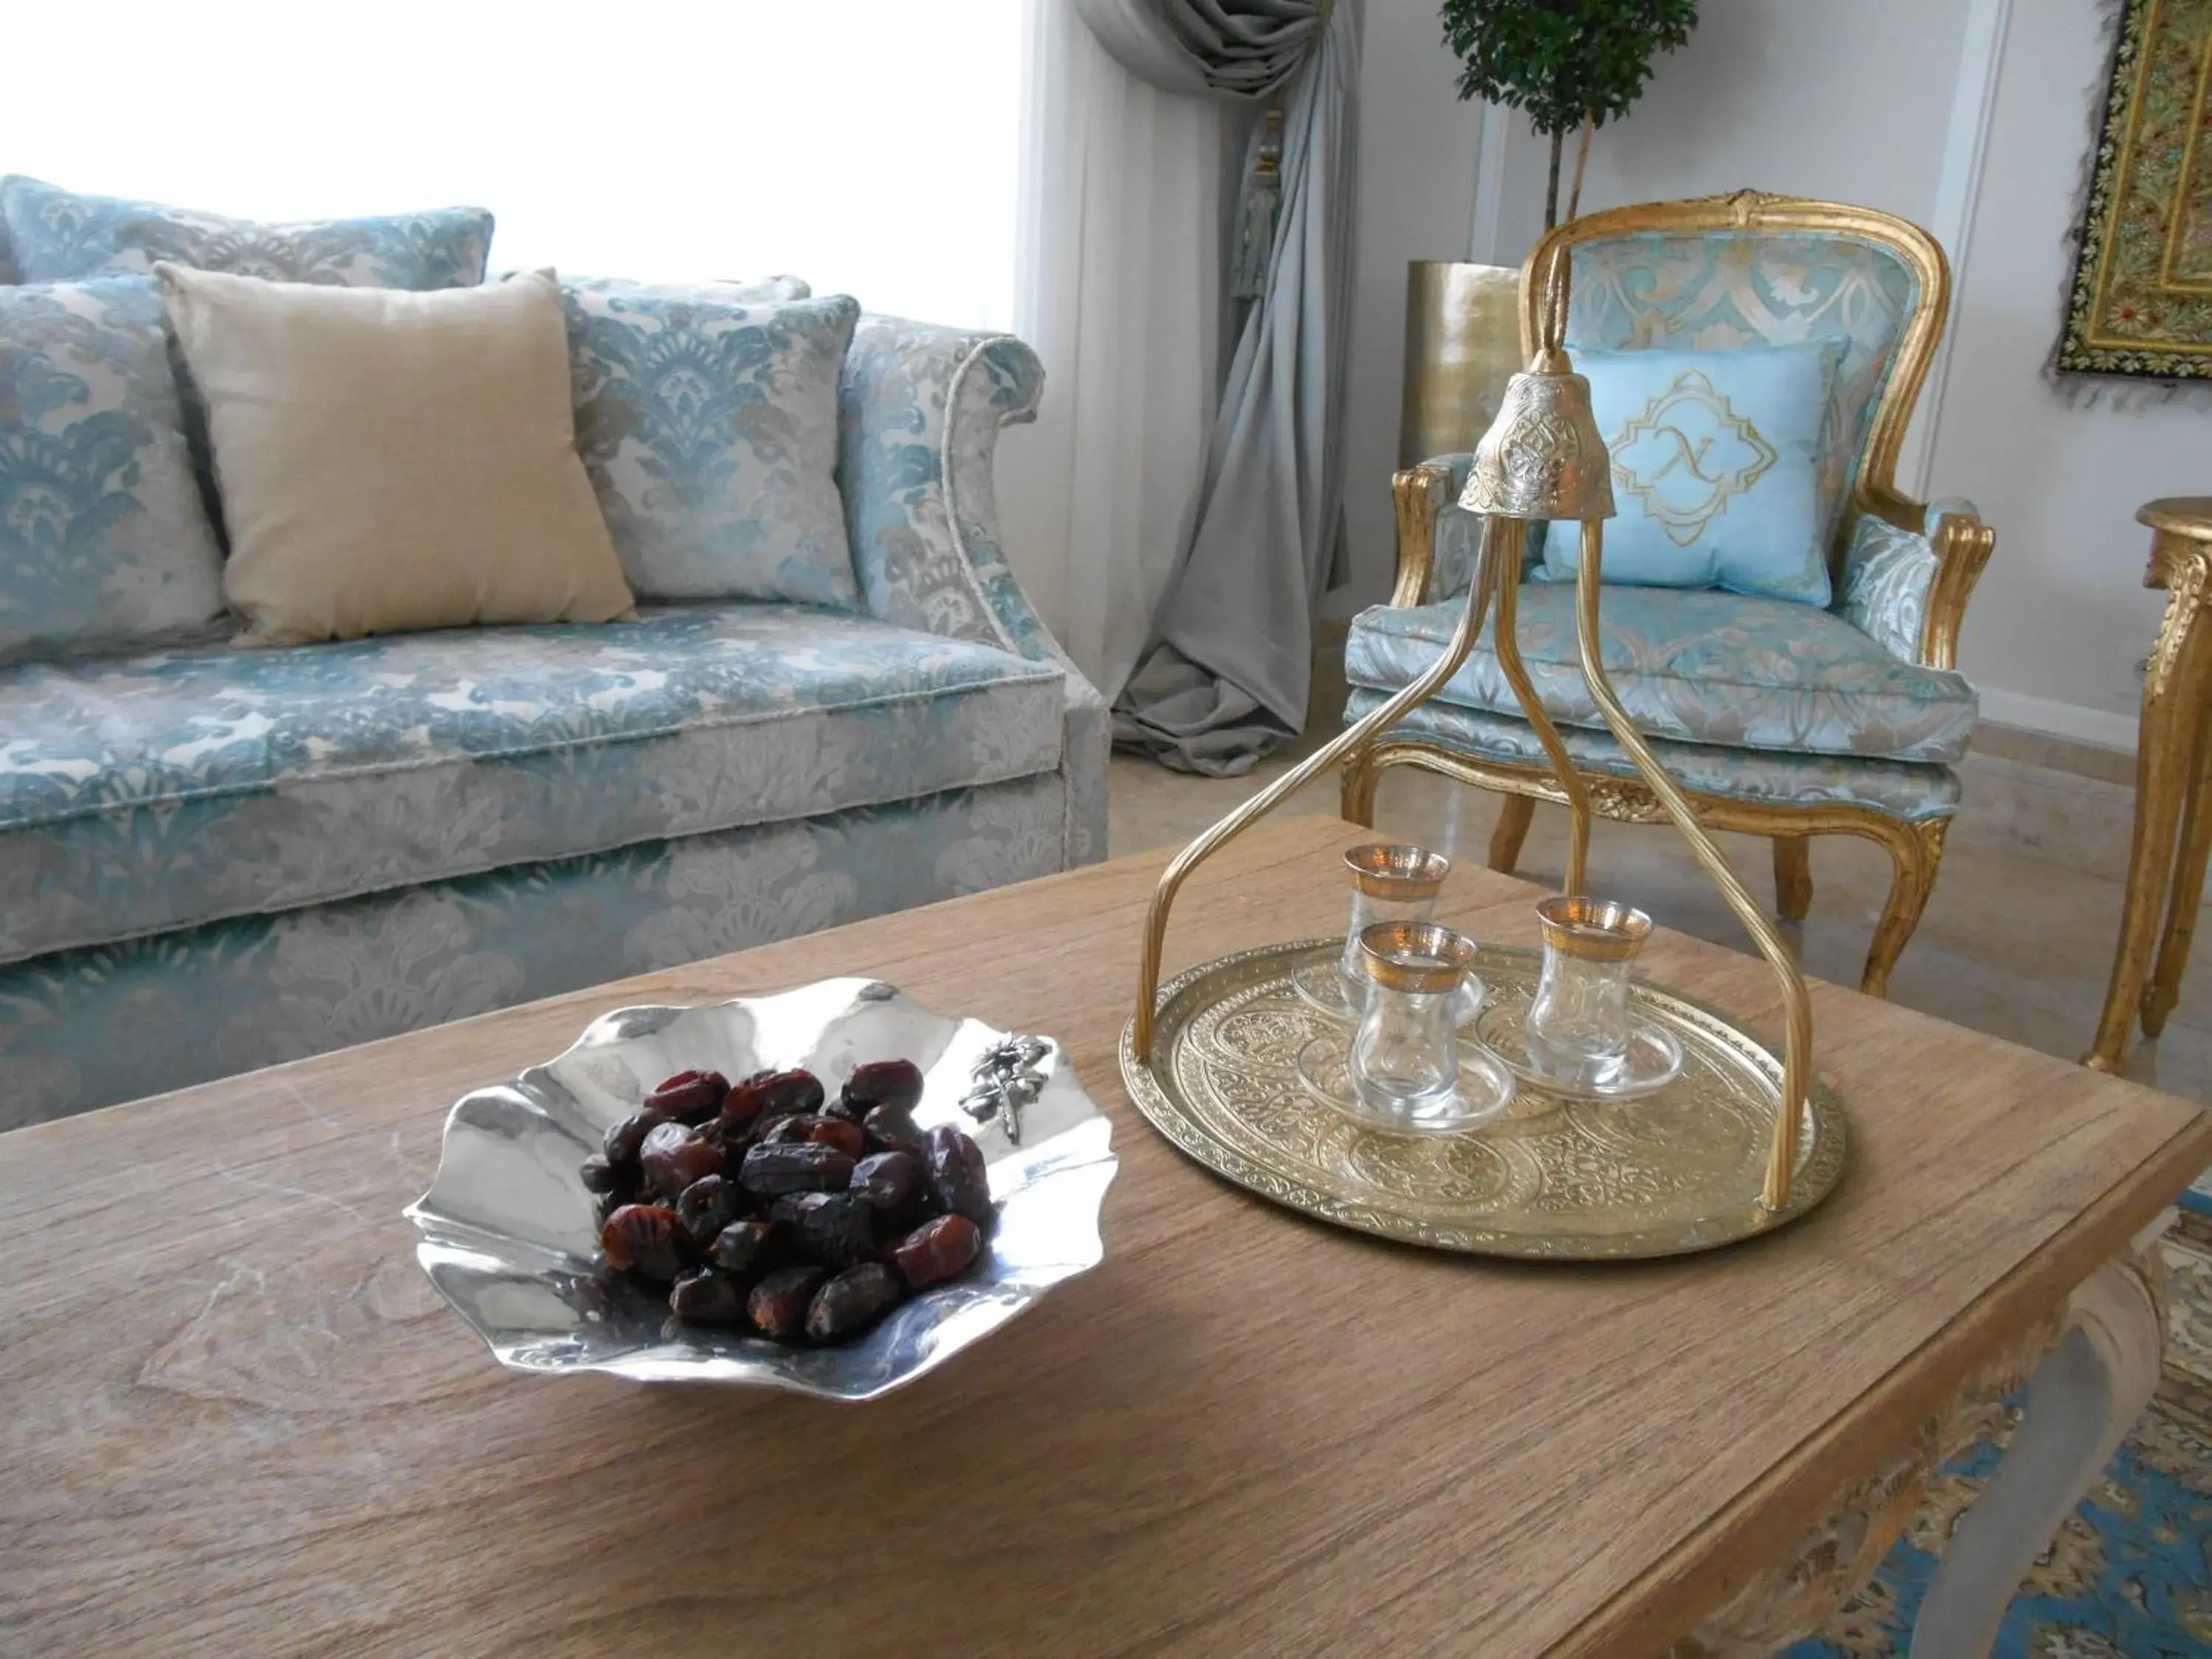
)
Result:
{"points": [[869, 146]]}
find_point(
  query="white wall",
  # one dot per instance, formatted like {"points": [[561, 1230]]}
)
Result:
{"points": [[2061, 619], [1796, 96], [1417, 168], [1876, 101]]}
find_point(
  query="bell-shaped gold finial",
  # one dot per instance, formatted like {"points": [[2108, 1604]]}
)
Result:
{"points": [[1542, 457]]}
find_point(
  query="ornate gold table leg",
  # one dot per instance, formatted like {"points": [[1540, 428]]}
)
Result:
{"points": [[2165, 988], [2175, 687]]}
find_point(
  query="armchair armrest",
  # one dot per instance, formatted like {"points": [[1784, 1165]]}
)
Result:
{"points": [[1438, 540], [919, 411], [1907, 574]]}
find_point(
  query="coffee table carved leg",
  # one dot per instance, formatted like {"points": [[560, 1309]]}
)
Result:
{"points": [[2095, 1366], [2175, 686], [2086, 1396]]}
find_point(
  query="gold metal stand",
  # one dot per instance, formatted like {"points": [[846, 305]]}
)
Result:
{"points": [[1542, 459]]}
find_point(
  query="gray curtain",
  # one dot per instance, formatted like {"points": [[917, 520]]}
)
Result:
{"points": [[1230, 665]]}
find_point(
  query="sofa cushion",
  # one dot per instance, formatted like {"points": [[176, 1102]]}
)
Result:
{"points": [[707, 420], [1692, 665], [58, 236], [144, 794], [103, 541], [392, 461], [1903, 789]]}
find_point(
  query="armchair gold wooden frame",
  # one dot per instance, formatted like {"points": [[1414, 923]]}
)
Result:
{"points": [[1962, 546]]}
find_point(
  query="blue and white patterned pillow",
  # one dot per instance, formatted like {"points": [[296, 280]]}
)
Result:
{"points": [[103, 541], [709, 425], [59, 236]]}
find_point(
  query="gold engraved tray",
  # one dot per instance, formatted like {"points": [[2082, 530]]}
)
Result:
{"points": [[1551, 1179]]}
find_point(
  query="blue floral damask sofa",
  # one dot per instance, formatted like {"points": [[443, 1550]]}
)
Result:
{"points": [[212, 859]]}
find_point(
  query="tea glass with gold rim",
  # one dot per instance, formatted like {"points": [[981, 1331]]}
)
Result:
{"points": [[1391, 882], [1577, 1036], [1407, 1069]]}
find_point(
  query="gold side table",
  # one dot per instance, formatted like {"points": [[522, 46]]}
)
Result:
{"points": [[2173, 796]]}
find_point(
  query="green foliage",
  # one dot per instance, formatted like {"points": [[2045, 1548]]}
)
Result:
{"points": [[1561, 60]]}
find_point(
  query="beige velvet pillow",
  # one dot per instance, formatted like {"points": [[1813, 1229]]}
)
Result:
{"points": [[393, 460]]}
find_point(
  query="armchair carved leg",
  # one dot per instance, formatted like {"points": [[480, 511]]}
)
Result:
{"points": [[1356, 790], [1793, 877], [1915, 851], [1514, 814]]}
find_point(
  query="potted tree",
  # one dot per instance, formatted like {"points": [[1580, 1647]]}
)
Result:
{"points": [[1572, 65]]}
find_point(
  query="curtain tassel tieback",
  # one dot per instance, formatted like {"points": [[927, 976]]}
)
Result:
{"points": [[1255, 213]]}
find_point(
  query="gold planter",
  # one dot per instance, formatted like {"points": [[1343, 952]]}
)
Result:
{"points": [[1462, 344]]}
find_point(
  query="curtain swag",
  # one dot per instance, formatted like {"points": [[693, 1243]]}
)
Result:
{"points": [[1230, 666]]}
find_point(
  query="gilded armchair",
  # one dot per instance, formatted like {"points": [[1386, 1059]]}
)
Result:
{"points": [[1778, 718]]}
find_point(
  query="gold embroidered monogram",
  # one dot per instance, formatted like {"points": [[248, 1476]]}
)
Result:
{"points": [[1688, 455]]}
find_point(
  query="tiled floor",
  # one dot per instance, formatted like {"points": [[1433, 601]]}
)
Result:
{"points": [[2010, 944]]}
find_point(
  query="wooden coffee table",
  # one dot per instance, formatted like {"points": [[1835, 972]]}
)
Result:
{"points": [[234, 1420]]}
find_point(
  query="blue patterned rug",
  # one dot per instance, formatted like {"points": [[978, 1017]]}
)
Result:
{"points": [[2130, 1575]]}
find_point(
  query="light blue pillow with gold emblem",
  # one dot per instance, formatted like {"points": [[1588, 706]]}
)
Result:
{"points": [[1716, 470]]}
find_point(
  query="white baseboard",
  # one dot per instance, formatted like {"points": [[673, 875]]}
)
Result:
{"points": [[2060, 720]]}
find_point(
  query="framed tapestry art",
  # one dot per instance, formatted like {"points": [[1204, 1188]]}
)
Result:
{"points": [[2140, 306]]}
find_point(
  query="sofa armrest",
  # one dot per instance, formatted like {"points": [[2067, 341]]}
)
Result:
{"points": [[1907, 578], [919, 411]]}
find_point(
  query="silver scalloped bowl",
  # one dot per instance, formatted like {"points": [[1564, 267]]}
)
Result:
{"points": [[507, 1229]]}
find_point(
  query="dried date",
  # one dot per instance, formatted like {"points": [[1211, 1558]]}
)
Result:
{"points": [[745, 1249], [646, 1238], [892, 1129], [835, 1229], [826, 1130], [778, 1305], [797, 1167], [689, 1096], [673, 1158], [704, 1297], [884, 1083], [937, 1250], [774, 1094], [623, 1139], [786, 1131], [894, 1182], [852, 1301], [708, 1205], [959, 1179]]}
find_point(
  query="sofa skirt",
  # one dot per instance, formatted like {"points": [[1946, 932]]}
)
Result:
{"points": [[87, 1028]]}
